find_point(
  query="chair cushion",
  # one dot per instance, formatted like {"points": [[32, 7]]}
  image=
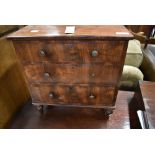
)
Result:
{"points": [[130, 77], [134, 56]]}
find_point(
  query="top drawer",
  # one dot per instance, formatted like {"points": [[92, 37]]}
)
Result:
{"points": [[70, 51]]}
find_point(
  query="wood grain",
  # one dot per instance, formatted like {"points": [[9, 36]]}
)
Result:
{"points": [[80, 69], [73, 95], [70, 51], [100, 73], [88, 32]]}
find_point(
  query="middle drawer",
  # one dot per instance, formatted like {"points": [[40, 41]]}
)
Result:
{"points": [[72, 73]]}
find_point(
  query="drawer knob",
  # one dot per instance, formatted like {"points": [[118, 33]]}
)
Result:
{"points": [[70, 88], [94, 53], [42, 53], [92, 75], [51, 95], [91, 96], [46, 75]]}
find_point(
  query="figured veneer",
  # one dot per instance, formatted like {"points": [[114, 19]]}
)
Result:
{"points": [[76, 95], [70, 51], [72, 73], [80, 69]]}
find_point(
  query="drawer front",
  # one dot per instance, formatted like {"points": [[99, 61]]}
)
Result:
{"points": [[73, 73], [70, 51], [73, 95]]}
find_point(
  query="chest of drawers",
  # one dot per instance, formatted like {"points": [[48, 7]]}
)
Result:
{"points": [[80, 69]]}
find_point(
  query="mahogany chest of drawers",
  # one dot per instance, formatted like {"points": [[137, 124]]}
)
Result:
{"points": [[80, 69]]}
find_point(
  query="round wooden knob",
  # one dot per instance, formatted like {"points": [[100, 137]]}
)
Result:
{"points": [[94, 53], [92, 75], [51, 95], [42, 53], [91, 96], [70, 88], [46, 75]]}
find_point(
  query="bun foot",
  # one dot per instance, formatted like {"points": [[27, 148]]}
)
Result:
{"points": [[108, 112], [40, 108]]}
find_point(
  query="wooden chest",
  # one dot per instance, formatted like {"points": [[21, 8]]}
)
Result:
{"points": [[80, 69]]}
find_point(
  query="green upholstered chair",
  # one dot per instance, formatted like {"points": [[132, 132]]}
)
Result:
{"points": [[131, 72]]}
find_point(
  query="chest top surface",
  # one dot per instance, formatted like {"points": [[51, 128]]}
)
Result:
{"points": [[88, 32]]}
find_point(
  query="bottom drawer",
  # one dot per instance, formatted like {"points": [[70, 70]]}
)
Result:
{"points": [[81, 95]]}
